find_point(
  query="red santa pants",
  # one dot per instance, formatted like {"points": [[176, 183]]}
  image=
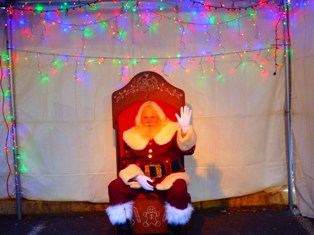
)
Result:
{"points": [[177, 196]]}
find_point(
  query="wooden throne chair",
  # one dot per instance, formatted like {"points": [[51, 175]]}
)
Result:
{"points": [[148, 212]]}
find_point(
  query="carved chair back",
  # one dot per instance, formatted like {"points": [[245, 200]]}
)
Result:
{"points": [[142, 87]]}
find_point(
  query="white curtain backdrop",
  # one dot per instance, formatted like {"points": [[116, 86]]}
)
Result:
{"points": [[303, 107], [66, 69]]}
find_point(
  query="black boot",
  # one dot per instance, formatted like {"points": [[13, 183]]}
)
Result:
{"points": [[175, 229], [124, 229]]}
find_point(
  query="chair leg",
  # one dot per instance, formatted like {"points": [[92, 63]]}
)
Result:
{"points": [[124, 229], [175, 229]]}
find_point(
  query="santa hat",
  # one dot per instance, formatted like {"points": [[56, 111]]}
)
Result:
{"points": [[157, 108]]}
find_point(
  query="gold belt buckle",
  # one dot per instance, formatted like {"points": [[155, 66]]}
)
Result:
{"points": [[157, 168]]}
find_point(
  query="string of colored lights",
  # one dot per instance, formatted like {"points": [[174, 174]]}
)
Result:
{"points": [[116, 30], [233, 8], [176, 57], [159, 13], [78, 6], [11, 118], [277, 42], [153, 62], [7, 126], [119, 34]]}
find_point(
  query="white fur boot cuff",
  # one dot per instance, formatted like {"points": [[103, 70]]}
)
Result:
{"points": [[176, 216], [120, 213]]}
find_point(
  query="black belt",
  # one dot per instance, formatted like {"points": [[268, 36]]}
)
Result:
{"points": [[176, 165], [158, 170]]}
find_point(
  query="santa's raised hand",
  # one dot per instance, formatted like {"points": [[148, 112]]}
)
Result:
{"points": [[185, 118]]}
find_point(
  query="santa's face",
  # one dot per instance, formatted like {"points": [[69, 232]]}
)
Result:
{"points": [[149, 117]]}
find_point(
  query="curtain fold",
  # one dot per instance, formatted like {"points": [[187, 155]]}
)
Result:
{"points": [[303, 108]]}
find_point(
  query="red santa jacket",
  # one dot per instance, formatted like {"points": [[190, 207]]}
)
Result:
{"points": [[167, 144]]}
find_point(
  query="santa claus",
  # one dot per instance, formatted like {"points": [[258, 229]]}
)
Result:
{"points": [[152, 161]]}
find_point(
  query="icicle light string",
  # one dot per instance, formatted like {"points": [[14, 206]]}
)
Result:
{"points": [[179, 60], [80, 27], [116, 29], [38, 9], [257, 33], [39, 67], [202, 68], [233, 8], [241, 62], [173, 19], [276, 42], [52, 63], [79, 56], [78, 6], [163, 71], [65, 8], [141, 58], [117, 33]]}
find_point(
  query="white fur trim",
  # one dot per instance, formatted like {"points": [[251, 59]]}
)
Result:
{"points": [[168, 181], [176, 216], [188, 141], [167, 132], [137, 142], [119, 214], [130, 172], [134, 140]]}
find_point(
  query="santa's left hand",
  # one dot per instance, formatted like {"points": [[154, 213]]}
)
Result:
{"points": [[145, 182], [185, 119]]}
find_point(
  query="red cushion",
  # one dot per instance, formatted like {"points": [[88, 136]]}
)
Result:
{"points": [[149, 215]]}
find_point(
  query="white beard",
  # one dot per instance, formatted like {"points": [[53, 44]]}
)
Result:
{"points": [[149, 132]]}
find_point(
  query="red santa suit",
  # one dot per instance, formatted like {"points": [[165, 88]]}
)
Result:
{"points": [[160, 159]]}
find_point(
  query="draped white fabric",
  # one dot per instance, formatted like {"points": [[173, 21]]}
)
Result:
{"points": [[303, 107], [65, 73]]}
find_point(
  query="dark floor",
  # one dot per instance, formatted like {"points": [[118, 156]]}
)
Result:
{"points": [[249, 221]]}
